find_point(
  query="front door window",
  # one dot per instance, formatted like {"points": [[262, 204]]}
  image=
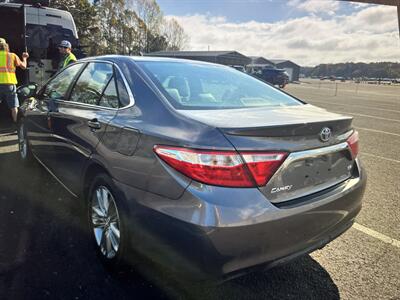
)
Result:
{"points": [[57, 88], [92, 82]]}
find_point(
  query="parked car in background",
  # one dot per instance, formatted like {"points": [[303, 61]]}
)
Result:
{"points": [[341, 79], [274, 76], [205, 170], [239, 68]]}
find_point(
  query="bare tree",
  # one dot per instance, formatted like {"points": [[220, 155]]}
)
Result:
{"points": [[176, 37], [111, 23], [132, 26], [86, 20], [152, 17], [123, 26]]}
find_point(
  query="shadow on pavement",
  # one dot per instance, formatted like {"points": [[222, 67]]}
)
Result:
{"points": [[44, 250], [303, 278], [6, 125], [45, 253]]}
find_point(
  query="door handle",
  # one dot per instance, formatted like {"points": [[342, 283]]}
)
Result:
{"points": [[94, 124]]}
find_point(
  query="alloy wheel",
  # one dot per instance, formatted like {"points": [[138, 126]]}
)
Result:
{"points": [[105, 222]]}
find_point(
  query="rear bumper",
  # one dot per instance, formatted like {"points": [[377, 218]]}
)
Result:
{"points": [[282, 260], [221, 232]]}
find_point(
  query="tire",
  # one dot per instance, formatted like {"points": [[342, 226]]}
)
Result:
{"points": [[107, 226], [25, 152]]}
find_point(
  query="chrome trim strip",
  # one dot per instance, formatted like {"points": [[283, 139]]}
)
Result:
{"points": [[295, 156], [79, 104]]}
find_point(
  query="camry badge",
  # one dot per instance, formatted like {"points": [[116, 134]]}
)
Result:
{"points": [[325, 134]]}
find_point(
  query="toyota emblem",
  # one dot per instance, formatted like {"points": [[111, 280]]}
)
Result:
{"points": [[325, 134]]}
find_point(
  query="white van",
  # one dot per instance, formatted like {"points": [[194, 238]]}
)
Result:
{"points": [[39, 30]]}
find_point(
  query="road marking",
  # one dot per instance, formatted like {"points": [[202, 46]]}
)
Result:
{"points": [[362, 115], [357, 105], [332, 87], [8, 150], [378, 94], [8, 138], [380, 157], [377, 235], [378, 131]]}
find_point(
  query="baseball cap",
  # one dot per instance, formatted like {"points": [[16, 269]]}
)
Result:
{"points": [[3, 41], [65, 44]]}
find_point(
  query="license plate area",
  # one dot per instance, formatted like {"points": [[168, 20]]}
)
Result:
{"points": [[303, 175]]}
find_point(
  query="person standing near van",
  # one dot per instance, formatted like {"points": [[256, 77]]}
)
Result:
{"points": [[68, 57], [8, 80]]}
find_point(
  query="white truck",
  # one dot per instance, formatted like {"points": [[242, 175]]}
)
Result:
{"points": [[39, 30]]}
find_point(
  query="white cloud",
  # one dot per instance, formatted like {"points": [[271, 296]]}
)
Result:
{"points": [[360, 5], [375, 19], [316, 6], [370, 34]]}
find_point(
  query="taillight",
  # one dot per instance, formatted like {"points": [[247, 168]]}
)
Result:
{"points": [[263, 165], [222, 168], [352, 141]]}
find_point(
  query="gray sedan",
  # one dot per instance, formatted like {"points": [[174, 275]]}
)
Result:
{"points": [[199, 167]]}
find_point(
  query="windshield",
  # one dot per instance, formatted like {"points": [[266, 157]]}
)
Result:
{"points": [[202, 86]]}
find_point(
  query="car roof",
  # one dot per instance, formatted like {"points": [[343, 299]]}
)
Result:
{"points": [[120, 58]]}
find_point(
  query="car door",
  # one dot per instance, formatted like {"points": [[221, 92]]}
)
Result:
{"points": [[37, 122], [79, 122]]}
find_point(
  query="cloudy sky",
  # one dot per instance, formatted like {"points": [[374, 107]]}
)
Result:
{"points": [[308, 32]]}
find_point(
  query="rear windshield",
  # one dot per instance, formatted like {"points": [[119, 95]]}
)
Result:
{"points": [[201, 86]]}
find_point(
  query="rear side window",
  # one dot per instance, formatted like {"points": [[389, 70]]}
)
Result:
{"points": [[123, 93], [58, 87], [92, 82], [110, 96]]}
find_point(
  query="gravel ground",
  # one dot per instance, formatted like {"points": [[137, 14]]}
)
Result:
{"points": [[44, 253]]}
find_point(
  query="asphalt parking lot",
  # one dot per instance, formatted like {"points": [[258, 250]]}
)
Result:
{"points": [[44, 253]]}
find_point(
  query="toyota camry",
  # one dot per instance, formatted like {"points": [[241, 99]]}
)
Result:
{"points": [[197, 166]]}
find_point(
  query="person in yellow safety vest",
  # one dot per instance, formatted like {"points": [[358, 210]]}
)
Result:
{"points": [[8, 80], [68, 57]]}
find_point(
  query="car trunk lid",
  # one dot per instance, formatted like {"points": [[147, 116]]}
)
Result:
{"points": [[315, 161]]}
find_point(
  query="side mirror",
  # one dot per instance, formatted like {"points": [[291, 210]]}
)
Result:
{"points": [[27, 90]]}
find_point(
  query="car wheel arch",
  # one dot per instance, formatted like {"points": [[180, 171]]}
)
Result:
{"points": [[94, 169], [91, 171]]}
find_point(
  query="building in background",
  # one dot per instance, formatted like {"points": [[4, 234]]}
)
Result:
{"points": [[291, 68], [260, 61], [228, 58], [234, 58], [257, 63]]}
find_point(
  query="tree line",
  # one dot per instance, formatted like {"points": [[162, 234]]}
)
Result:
{"points": [[129, 27], [355, 70]]}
